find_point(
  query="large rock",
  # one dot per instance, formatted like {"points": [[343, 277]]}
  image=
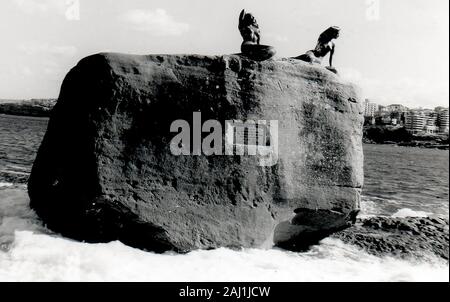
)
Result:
{"points": [[104, 170]]}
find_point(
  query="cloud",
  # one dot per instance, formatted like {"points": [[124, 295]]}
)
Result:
{"points": [[43, 59], [51, 68], [41, 6], [411, 92], [68, 8], [156, 22], [44, 48], [21, 71]]}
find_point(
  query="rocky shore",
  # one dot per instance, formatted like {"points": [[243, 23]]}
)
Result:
{"points": [[419, 144], [399, 136], [402, 237], [34, 107]]}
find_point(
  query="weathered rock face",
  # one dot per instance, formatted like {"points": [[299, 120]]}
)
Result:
{"points": [[104, 170], [403, 237]]}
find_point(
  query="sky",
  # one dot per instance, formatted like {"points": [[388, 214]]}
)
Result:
{"points": [[397, 51]]}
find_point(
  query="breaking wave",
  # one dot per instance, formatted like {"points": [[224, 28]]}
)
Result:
{"points": [[30, 252], [407, 212]]}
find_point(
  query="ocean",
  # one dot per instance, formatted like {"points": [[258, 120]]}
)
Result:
{"points": [[399, 181]]}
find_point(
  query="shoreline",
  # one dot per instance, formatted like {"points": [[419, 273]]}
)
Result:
{"points": [[414, 144], [10, 115], [31, 108], [400, 136]]}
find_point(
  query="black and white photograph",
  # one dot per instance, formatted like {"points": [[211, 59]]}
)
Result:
{"points": [[206, 141]]}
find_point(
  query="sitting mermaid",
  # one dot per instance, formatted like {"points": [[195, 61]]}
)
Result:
{"points": [[325, 45], [250, 47]]}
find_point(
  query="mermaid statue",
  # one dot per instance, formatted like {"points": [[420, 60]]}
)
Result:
{"points": [[325, 45], [249, 29]]}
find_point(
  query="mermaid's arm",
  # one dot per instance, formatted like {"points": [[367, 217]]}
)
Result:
{"points": [[331, 55]]}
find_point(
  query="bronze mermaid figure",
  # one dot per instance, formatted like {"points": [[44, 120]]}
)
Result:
{"points": [[250, 47], [325, 45]]}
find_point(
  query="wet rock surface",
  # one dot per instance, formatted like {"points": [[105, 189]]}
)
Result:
{"points": [[403, 237]]}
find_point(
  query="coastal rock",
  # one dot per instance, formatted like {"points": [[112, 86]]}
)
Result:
{"points": [[310, 225], [403, 237], [105, 172], [35, 107]]}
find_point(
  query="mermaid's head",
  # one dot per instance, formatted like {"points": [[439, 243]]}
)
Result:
{"points": [[247, 19], [329, 34], [248, 27]]}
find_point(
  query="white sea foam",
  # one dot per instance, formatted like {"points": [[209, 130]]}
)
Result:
{"points": [[5, 184], [368, 208], [32, 253], [14, 172], [372, 206], [37, 257], [406, 212], [15, 214]]}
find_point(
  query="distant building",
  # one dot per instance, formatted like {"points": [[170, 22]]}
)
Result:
{"points": [[369, 120], [385, 120], [431, 119], [415, 121], [431, 122], [430, 129], [399, 117], [370, 108], [442, 120], [382, 109], [394, 121], [396, 108], [388, 115]]}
